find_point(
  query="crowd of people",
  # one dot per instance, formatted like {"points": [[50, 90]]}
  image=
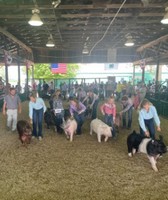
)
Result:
{"points": [[83, 101]]}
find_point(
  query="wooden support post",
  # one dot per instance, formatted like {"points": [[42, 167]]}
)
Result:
{"points": [[18, 83], [6, 74], [18, 63], [157, 75], [32, 72], [27, 82], [54, 84], [133, 76], [143, 75], [69, 85]]}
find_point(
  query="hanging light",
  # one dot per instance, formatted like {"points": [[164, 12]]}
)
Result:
{"points": [[129, 41], [50, 42], [145, 2], [85, 50], [35, 19], [165, 18], [56, 3]]}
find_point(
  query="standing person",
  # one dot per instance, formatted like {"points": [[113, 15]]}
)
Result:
{"points": [[77, 110], [81, 94], [72, 92], [142, 92], [108, 109], [64, 89], [127, 107], [93, 103], [118, 90], [45, 88], [11, 107], [58, 110], [51, 88], [36, 110], [34, 85], [147, 117], [1, 84], [7, 88]]}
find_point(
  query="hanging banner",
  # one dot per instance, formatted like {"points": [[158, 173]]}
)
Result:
{"points": [[142, 64], [28, 64], [110, 66], [7, 58]]}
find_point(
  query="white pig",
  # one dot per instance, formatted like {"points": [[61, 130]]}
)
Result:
{"points": [[100, 128], [70, 127]]}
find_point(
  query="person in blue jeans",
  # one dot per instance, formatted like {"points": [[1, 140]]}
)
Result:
{"points": [[36, 110], [148, 117], [127, 109]]}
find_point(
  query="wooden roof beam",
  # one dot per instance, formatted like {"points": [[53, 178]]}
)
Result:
{"points": [[151, 59], [154, 42], [69, 16], [81, 6], [13, 38]]}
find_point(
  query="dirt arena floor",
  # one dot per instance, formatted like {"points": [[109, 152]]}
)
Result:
{"points": [[55, 169]]}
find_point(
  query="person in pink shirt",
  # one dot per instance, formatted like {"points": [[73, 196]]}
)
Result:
{"points": [[108, 109]]}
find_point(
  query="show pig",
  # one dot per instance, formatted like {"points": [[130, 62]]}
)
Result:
{"points": [[69, 126], [101, 129], [49, 117], [25, 131], [152, 148]]}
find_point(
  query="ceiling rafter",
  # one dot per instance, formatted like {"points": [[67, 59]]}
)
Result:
{"points": [[74, 24], [13, 38], [81, 6]]}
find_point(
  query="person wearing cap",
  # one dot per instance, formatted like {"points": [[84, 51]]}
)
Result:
{"points": [[11, 107]]}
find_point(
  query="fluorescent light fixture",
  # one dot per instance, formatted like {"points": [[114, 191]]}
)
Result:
{"points": [[165, 18], [35, 19], [129, 41], [50, 42]]}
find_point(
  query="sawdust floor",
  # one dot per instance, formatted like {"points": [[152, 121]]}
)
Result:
{"points": [[55, 169]]}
